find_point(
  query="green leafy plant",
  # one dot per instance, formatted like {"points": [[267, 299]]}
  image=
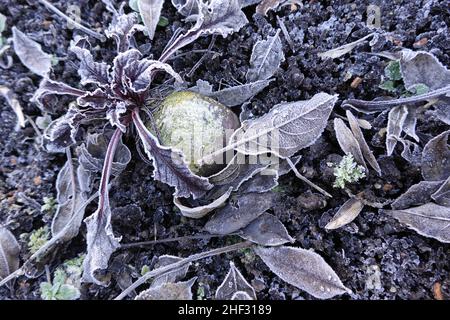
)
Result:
{"points": [[49, 204], [347, 171], [38, 238], [58, 289]]}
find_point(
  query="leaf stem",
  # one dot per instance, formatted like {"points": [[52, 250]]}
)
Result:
{"points": [[176, 265]]}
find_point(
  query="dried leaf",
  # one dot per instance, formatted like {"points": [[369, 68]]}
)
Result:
{"points": [[365, 150], [169, 291], [411, 152], [8, 94], [347, 141], [9, 253], [409, 126], [303, 269], [31, 54], [420, 67], [430, 220], [286, 129], [170, 166], [262, 182], [442, 195], [346, 214], [396, 119], [150, 11], [267, 5], [346, 48], [436, 158], [186, 7], [92, 153], [239, 212], [241, 295], [265, 59], [266, 230], [232, 96], [416, 195], [234, 282], [201, 211], [172, 276]]}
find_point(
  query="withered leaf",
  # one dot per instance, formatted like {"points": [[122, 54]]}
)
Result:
{"points": [[346, 214], [31, 54], [171, 276], [170, 166], [241, 295], [266, 230], [150, 11], [365, 150], [442, 195], [265, 59], [411, 152], [286, 129], [346, 48], [9, 253], [409, 126], [201, 211], [396, 119], [239, 212], [430, 220], [417, 194], [347, 141], [303, 269], [169, 291], [186, 7], [421, 67], [234, 282], [263, 181], [436, 158], [267, 5], [8, 94]]}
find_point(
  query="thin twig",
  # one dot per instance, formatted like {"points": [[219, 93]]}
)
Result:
{"points": [[304, 179], [153, 242], [286, 34], [176, 265], [51, 7]]}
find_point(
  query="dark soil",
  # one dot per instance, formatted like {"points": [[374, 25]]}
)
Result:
{"points": [[375, 256]]}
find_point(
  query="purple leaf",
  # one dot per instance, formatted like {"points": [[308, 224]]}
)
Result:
{"points": [[121, 61], [98, 99], [169, 165], [122, 30], [113, 115], [48, 87], [89, 70]]}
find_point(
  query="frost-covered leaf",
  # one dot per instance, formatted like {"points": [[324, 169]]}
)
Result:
{"points": [[436, 158], [266, 230], [442, 195], [71, 199], [49, 87], [169, 291], [201, 211], [346, 214], [214, 17], [172, 276], [286, 129], [61, 132], [265, 59], [9, 253], [262, 182], [31, 54], [123, 29], [234, 282], [8, 94], [347, 141], [89, 70], [150, 11], [411, 152], [409, 126], [365, 150], [416, 195], [239, 212], [420, 67], [170, 166], [101, 242], [442, 111], [186, 7], [266, 5], [114, 115], [237, 95], [92, 153], [303, 269], [346, 48], [396, 120], [430, 220]]}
